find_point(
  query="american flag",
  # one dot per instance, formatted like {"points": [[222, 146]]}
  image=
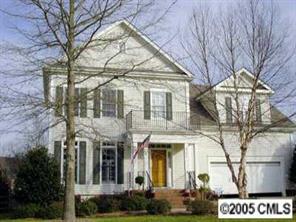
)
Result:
{"points": [[144, 144]]}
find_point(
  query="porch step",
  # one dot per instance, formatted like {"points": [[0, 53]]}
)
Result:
{"points": [[174, 196]]}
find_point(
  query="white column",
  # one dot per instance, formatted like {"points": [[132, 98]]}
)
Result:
{"points": [[185, 164], [134, 167], [190, 161], [146, 165], [196, 155], [169, 168]]}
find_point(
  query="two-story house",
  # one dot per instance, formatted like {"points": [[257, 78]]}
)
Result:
{"points": [[153, 94]]}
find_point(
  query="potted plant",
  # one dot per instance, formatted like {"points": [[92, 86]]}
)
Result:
{"points": [[140, 181]]}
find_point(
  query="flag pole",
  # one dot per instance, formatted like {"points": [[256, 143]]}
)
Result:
{"points": [[134, 155]]}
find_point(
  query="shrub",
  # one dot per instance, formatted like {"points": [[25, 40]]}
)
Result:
{"points": [[201, 207], [26, 211], [38, 178], [139, 180], [134, 203], [106, 204], [53, 211], [158, 207], [211, 195], [86, 208]]}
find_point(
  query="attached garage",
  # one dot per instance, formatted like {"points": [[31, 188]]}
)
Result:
{"points": [[262, 177]]}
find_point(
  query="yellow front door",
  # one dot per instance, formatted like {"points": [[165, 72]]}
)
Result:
{"points": [[158, 158]]}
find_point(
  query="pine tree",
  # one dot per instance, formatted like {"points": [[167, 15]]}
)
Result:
{"points": [[292, 175]]}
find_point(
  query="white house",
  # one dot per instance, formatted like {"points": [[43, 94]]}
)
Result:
{"points": [[153, 94]]}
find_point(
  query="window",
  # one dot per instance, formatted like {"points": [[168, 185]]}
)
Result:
{"points": [[80, 101], [108, 158], [108, 162], [122, 47], [109, 103], [243, 116], [244, 108], [158, 104], [80, 161], [108, 165], [160, 145]]}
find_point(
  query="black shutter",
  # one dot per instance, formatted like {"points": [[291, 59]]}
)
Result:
{"points": [[59, 101], [82, 162], [228, 109], [258, 111], [57, 153], [96, 162], [83, 102], [169, 108], [147, 108], [120, 162], [97, 103], [120, 104], [77, 100]]}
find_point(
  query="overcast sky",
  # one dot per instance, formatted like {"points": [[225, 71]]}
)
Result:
{"points": [[170, 27]]}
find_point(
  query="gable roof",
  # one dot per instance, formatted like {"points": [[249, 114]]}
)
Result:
{"points": [[149, 42], [261, 86], [203, 111]]}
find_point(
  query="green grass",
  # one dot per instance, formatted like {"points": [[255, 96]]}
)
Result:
{"points": [[188, 218]]}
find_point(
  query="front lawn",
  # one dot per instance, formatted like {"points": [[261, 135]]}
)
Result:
{"points": [[188, 218]]}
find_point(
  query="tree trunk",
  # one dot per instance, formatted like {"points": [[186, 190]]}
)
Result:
{"points": [[242, 175], [69, 199]]}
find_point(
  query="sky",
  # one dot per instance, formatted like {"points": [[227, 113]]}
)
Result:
{"points": [[173, 22]]}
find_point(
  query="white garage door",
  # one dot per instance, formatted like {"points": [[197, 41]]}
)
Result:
{"points": [[263, 177]]}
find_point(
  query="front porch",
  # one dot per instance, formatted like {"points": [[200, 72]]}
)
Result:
{"points": [[168, 163]]}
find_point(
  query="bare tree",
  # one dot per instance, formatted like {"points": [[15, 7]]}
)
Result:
{"points": [[250, 35], [58, 33]]}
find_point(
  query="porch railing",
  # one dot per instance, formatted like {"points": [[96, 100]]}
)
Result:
{"points": [[192, 180], [157, 120]]}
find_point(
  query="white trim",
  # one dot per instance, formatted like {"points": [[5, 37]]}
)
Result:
{"points": [[229, 90], [243, 70]]}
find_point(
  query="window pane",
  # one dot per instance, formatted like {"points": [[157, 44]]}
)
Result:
{"points": [[109, 103], [158, 108], [108, 165]]}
